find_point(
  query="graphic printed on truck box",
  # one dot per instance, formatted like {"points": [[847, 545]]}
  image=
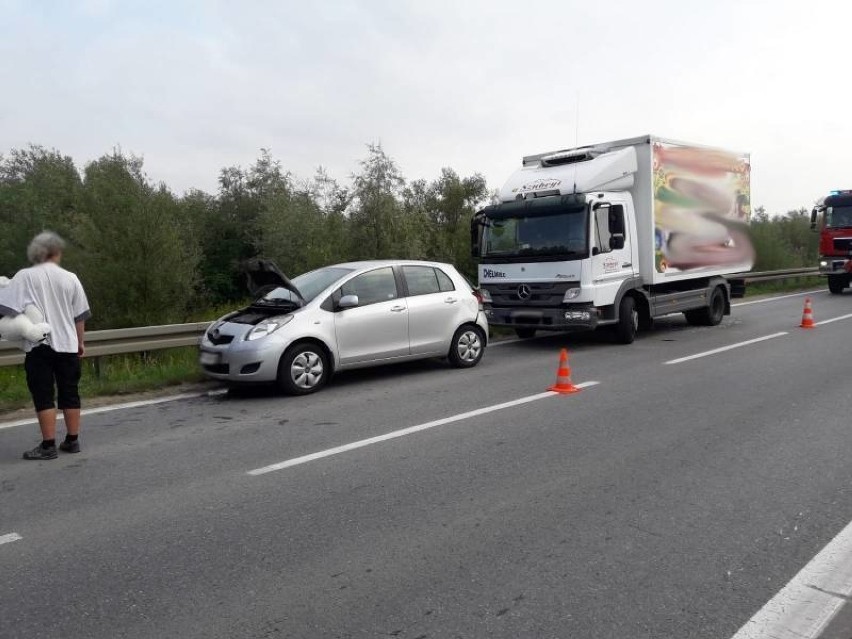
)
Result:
{"points": [[701, 208]]}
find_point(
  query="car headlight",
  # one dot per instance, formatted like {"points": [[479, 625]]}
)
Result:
{"points": [[571, 293], [486, 296], [823, 263], [267, 327]]}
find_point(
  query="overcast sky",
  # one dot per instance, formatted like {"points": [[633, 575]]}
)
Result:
{"points": [[194, 86]]}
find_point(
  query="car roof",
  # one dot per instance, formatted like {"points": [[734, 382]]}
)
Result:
{"points": [[368, 264]]}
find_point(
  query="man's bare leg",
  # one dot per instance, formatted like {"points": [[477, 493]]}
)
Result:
{"points": [[47, 423], [72, 420]]}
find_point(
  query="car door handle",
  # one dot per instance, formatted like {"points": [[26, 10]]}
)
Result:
{"points": [[397, 309], [450, 300]]}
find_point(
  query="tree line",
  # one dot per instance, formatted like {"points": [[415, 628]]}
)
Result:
{"points": [[148, 256]]}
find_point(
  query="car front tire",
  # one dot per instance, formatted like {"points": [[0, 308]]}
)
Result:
{"points": [[303, 369]]}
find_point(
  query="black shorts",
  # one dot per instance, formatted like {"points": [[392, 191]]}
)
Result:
{"points": [[49, 371]]}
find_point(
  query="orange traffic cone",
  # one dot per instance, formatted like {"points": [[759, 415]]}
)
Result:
{"points": [[808, 315], [563, 376]]}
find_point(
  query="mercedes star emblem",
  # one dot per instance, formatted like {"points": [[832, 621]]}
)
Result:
{"points": [[524, 292]]}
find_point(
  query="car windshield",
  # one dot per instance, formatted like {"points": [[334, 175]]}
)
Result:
{"points": [[309, 285], [562, 233]]}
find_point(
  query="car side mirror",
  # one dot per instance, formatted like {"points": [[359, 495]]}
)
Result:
{"points": [[348, 301], [616, 242]]}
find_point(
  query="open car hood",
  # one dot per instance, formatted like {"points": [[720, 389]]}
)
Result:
{"points": [[263, 276]]}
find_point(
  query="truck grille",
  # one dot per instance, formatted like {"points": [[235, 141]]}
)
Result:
{"points": [[529, 294], [843, 244]]}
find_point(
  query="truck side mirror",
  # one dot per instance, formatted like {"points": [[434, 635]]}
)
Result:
{"points": [[616, 242], [814, 219], [475, 235]]}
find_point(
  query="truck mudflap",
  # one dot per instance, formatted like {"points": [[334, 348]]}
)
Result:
{"points": [[579, 317]]}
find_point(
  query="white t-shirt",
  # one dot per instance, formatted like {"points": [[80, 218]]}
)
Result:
{"points": [[59, 296]]}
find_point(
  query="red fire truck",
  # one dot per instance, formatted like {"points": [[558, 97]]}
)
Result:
{"points": [[833, 217]]}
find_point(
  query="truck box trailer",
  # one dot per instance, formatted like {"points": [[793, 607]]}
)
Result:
{"points": [[615, 234]]}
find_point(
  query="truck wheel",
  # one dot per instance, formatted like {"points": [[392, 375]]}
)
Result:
{"points": [[646, 322], [525, 333], [836, 283], [710, 315], [628, 321]]}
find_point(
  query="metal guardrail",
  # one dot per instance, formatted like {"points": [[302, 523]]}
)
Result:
{"points": [[151, 338], [767, 276], [123, 340]]}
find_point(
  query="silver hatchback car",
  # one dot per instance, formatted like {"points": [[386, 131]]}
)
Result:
{"points": [[298, 333]]}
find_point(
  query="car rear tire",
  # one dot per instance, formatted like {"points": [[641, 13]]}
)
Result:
{"points": [[303, 369], [467, 347]]}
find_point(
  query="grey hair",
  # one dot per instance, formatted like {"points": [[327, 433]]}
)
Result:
{"points": [[44, 246]]}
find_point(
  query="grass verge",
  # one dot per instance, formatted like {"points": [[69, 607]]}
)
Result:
{"points": [[785, 286], [113, 375]]}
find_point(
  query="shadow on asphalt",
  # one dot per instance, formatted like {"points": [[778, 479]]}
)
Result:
{"points": [[666, 329]]}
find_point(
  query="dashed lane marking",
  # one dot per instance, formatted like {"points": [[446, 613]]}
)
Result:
{"points": [[296, 461], [833, 319], [7, 539], [729, 347]]}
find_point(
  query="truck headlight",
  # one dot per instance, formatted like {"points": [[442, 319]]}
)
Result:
{"points": [[267, 327], [571, 294], [823, 264]]}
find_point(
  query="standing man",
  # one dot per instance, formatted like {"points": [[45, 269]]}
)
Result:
{"points": [[53, 367]]}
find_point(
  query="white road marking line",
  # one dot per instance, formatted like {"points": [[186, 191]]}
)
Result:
{"points": [[126, 405], [508, 341], [833, 319], [780, 297], [5, 539], [806, 605], [725, 348], [296, 461]]}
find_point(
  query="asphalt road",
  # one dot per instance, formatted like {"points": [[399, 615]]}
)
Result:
{"points": [[669, 500]]}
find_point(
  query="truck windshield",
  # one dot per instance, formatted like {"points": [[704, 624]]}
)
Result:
{"points": [[839, 217], [560, 234]]}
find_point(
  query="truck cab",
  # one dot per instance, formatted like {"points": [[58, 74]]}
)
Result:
{"points": [[614, 234], [556, 263], [832, 217]]}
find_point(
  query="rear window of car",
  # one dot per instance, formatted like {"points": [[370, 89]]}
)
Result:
{"points": [[445, 281], [423, 280]]}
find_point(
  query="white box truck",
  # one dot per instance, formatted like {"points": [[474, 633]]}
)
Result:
{"points": [[615, 234]]}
